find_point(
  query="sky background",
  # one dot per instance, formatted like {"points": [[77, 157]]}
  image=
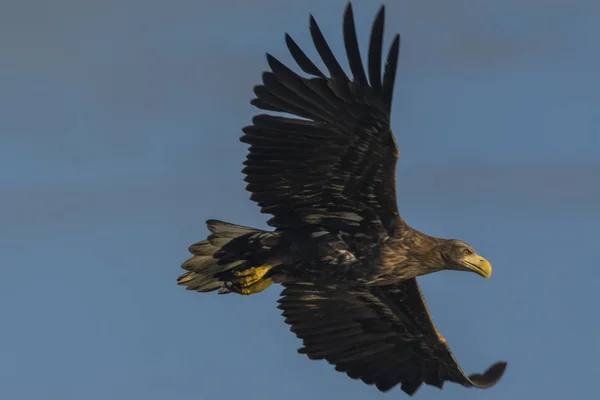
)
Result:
{"points": [[119, 126]]}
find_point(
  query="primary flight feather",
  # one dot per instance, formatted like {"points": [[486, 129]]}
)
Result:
{"points": [[340, 248]]}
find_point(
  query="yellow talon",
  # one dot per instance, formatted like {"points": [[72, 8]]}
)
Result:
{"points": [[251, 279], [257, 287], [252, 275]]}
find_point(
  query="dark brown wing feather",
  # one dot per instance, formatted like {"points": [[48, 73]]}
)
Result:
{"points": [[381, 335], [341, 157]]}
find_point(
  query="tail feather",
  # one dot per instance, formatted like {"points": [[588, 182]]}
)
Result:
{"points": [[228, 230], [229, 248]]}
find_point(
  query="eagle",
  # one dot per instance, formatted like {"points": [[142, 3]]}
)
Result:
{"points": [[348, 262]]}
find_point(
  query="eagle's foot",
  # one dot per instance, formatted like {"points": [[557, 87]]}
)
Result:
{"points": [[251, 280], [256, 288]]}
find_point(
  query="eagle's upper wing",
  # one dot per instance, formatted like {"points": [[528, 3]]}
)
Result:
{"points": [[339, 158], [381, 335]]}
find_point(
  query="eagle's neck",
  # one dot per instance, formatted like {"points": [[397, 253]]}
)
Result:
{"points": [[413, 254]]}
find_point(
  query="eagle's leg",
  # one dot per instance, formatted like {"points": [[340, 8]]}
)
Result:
{"points": [[252, 280]]}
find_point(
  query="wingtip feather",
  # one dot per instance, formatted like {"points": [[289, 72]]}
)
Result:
{"points": [[490, 376], [375, 50]]}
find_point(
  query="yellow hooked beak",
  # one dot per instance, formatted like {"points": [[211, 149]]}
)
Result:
{"points": [[478, 264]]}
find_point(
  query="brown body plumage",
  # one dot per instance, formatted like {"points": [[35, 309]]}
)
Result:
{"points": [[347, 259]]}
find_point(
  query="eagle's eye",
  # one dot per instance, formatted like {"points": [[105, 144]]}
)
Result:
{"points": [[467, 252]]}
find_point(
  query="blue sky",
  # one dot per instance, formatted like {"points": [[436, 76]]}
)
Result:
{"points": [[119, 126]]}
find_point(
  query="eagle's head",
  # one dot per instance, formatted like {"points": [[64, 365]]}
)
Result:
{"points": [[459, 256]]}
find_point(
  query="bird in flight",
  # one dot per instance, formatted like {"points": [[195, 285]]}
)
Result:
{"points": [[347, 260]]}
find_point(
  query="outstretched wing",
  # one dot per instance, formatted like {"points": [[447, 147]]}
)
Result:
{"points": [[381, 335], [338, 158]]}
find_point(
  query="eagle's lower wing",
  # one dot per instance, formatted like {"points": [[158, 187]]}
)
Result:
{"points": [[382, 335], [337, 160]]}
